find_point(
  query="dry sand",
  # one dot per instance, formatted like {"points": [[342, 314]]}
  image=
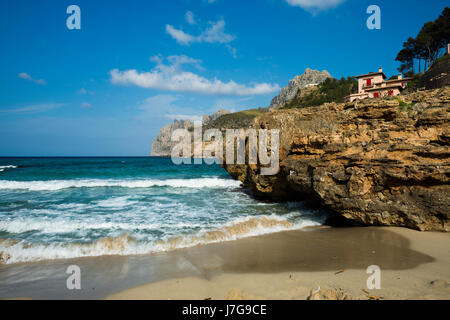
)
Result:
{"points": [[320, 263]]}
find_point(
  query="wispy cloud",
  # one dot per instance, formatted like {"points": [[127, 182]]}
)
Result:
{"points": [[180, 36], [165, 105], [315, 5], [231, 104], [85, 91], [214, 33], [177, 61], [85, 105], [158, 102], [190, 18], [232, 50], [170, 76], [26, 76], [36, 108]]}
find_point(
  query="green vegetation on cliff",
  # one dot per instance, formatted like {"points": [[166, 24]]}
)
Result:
{"points": [[331, 90], [236, 120]]}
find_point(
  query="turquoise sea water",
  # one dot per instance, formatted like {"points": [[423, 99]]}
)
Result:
{"points": [[54, 208]]}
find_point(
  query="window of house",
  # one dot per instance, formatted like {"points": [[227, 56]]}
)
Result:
{"points": [[376, 94], [369, 82]]}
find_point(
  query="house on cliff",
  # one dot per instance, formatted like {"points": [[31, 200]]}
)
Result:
{"points": [[375, 85]]}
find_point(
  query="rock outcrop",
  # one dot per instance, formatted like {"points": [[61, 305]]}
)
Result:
{"points": [[374, 162], [162, 144], [308, 78]]}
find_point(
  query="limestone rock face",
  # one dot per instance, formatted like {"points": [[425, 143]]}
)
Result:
{"points": [[308, 78], [375, 162], [162, 145]]}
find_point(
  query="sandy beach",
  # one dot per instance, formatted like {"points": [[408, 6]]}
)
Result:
{"points": [[313, 263]]}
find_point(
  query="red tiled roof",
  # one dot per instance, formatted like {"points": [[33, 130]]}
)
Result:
{"points": [[371, 74]]}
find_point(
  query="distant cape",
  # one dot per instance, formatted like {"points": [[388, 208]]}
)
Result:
{"points": [[162, 144]]}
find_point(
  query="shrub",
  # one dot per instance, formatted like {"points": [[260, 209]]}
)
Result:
{"points": [[331, 90]]}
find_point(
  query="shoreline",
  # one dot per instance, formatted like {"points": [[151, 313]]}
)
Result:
{"points": [[414, 265], [283, 265]]}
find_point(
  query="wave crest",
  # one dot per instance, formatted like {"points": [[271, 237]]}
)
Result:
{"points": [[3, 168], [15, 251], [55, 185]]}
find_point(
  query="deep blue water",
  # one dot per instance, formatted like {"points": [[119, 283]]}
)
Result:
{"points": [[52, 208]]}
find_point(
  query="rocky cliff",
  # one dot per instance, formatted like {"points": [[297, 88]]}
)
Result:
{"points": [[162, 144], [374, 162], [308, 78]]}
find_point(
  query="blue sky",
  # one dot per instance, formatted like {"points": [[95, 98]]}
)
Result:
{"points": [[107, 89]]}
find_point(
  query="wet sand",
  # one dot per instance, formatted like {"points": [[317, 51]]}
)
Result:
{"points": [[285, 265]]}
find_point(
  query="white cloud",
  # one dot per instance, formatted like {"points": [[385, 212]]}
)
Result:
{"points": [[84, 91], [26, 76], [176, 62], [232, 50], [314, 5], [214, 33], [36, 108], [190, 18], [180, 36], [85, 105], [171, 77]]}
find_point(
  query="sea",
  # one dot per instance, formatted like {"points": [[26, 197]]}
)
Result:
{"points": [[63, 208]]}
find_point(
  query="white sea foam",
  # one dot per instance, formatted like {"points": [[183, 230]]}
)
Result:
{"points": [[3, 168], [118, 202], [8, 167], [20, 251], [54, 185], [61, 225]]}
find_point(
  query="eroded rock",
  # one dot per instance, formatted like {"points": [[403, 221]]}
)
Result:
{"points": [[375, 162]]}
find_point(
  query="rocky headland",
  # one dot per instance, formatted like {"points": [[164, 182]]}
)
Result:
{"points": [[162, 144], [374, 162]]}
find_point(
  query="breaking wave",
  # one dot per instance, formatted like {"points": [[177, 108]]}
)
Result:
{"points": [[54, 185], [3, 168], [13, 251]]}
